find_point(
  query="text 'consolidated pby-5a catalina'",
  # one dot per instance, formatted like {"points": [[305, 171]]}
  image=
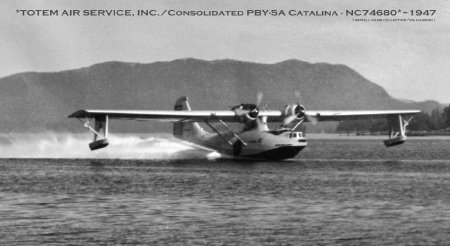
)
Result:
{"points": [[255, 140]]}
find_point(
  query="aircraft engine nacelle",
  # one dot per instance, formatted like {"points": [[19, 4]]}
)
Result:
{"points": [[246, 112], [294, 110]]}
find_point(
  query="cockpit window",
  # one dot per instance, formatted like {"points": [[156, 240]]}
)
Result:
{"points": [[277, 132], [291, 134]]}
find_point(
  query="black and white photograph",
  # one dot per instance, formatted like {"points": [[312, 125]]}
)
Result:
{"points": [[207, 122]]}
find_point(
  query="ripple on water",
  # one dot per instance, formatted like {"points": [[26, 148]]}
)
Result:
{"points": [[313, 200]]}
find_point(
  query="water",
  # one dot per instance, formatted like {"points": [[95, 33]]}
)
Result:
{"points": [[338, 191]]}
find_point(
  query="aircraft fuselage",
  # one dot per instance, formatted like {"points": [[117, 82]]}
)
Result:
{"points": [[274, 145]]}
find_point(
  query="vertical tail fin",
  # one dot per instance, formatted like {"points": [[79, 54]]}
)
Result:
{"points": [[182, 104], [186, 130]]}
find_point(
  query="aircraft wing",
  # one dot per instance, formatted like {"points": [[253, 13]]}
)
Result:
{"points": [[340, 115], [230, 116], [162, 115]]}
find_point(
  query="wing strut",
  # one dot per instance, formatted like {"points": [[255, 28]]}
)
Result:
{"points": [[229, 130], [234, 134], [218, 133], [298, 124], [100, 131]]}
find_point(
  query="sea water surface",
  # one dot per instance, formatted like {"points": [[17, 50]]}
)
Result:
{"points": [[336, 192]]}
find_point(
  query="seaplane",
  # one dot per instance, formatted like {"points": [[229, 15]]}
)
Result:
{"points": [[255, 140]]}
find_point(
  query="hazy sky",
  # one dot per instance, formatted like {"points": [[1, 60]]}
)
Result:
{"points": [[410, 60]]}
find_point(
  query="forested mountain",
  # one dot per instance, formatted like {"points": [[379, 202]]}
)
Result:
{"points": [[34, 101]]}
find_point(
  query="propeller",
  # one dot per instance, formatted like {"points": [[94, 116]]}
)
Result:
{"points": [[248, 111], [296, 110], [293, 117], [251, 111], [259, 98], [288, 120], [311, 119]]}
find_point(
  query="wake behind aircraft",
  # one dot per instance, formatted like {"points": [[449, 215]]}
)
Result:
{"points": [[255, 140]]}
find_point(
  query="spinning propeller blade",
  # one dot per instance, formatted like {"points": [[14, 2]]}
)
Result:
{"points": [[259, 97], [288, 120], [311, 119]]}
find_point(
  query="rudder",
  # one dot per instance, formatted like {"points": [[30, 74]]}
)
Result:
{"points": [[185, 130]]}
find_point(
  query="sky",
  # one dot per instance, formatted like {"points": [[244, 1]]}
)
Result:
{"points": [[411, 60]]}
